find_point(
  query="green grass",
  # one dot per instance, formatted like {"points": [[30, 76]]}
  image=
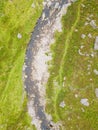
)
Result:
{"points": [[67, 62], [15, 17]]}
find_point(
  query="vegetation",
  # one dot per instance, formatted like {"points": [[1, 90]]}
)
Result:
{"points": [[17, 20], [72, 76]]}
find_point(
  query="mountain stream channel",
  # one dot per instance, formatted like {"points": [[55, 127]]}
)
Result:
{"points": [[35, 69]]}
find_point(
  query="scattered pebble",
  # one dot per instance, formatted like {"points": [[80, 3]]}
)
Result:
{"points": [[62, 104], [64, 78], [76, 95], [33, 5], [43, 16], [89, 35], [86, 23], [25, 76], [96, 71], [88, 18], [80, 53], [83, 36], [96, 43], [91, 79], [56, 5], [83, 5], [49, 3], [96, 92], [91, 15], [81, 46], [76, 30], [19, 36], [85, 102], [93, 24], [92, 54]]}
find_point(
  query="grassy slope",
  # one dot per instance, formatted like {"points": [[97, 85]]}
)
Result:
{"points": [[68, 63], [15, 17]]}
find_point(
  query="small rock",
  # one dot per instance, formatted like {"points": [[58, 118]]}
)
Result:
{"points": [[91, 79], [85, 102], [92, 55], [86, 23], [88, 18], [81, 46], [49, 3], [56, 5], [44, 3], [83, 36], [62, 104], [93, 24], [83, 5], [96, 92], [96, 43], [80, 53], [33, 5], [76, 95], [89, 35], [91, 15], [43, 16], [19, 36], [25, 76], [76, 30], [64, 78], [96, 71]]}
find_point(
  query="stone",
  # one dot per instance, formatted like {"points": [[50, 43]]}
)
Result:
{"points": [[96, 92], [80, 53], [44, 3], [83, 5], [19, 36], [92, 55], [89, 35], [93, 24], [88, 18], [96, 43], [86, 23], [76, 95], [76, 30], [49, 3], [43, 16], [56, 5], [84, 102], [62, 104], [96, 71], [83, 36], [33, 5]]}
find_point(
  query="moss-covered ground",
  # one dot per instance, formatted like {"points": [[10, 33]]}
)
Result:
{"points": [[72, 76], [17, 18]]}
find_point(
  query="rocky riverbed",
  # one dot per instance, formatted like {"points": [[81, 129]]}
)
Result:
{"points": [[35, 68]]}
